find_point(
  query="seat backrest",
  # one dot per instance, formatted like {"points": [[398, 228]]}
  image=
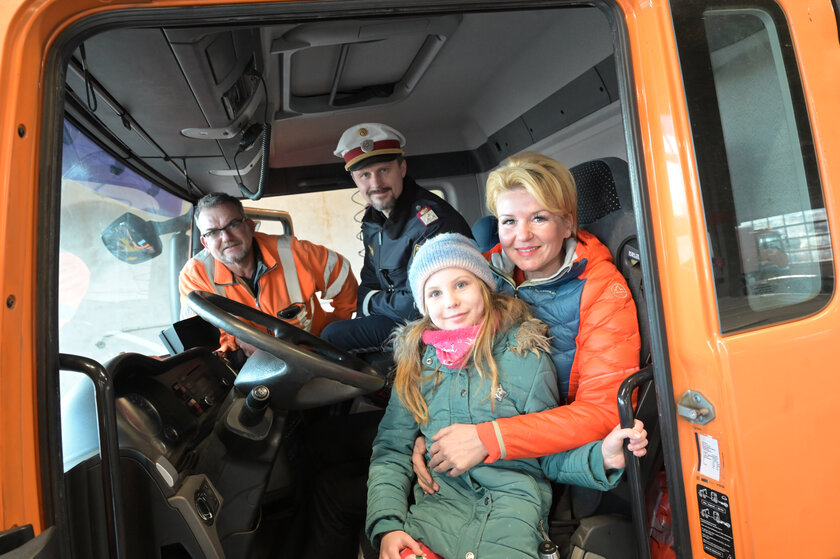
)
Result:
{"points": [[485, 231], [605, 209]]}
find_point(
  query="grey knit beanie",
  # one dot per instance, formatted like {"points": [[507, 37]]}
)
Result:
{"points": [[447, 250]]}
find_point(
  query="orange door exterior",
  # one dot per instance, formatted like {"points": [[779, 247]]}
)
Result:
{"points": [[773, 387]]}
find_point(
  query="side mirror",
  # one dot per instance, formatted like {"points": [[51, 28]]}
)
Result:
{"points": [[132, 239]]}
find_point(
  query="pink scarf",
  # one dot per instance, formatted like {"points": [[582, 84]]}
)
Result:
{"points": [[452, 346]]}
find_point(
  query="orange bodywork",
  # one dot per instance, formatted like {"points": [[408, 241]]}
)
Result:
{"points": [[773, 388]]}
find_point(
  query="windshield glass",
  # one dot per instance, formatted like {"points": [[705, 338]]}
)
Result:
{"points": [[122, 242]]}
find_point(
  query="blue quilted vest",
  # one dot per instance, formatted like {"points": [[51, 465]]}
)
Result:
{"points": [[556, 303]]}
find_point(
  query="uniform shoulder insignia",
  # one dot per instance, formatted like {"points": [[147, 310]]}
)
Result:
{"points": [[427, 215]]}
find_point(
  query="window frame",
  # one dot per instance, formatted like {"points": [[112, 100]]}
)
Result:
{"points": [[710, 147]]}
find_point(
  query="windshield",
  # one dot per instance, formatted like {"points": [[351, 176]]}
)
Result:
{"points": [[122, 243]]}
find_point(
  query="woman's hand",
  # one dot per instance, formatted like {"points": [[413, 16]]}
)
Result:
{"points": [[456, 449], [612, 448], [418, 462], [394, 542]]}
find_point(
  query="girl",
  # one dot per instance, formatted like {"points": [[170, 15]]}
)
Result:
{"points": [[474, 356]]}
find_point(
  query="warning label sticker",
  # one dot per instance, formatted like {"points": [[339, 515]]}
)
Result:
{"points": [[715, 523]]}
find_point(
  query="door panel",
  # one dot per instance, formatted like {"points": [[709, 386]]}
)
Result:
{"points": [[752, 330]]}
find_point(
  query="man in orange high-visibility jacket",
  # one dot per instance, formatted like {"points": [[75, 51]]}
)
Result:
{"points": [[267, 272]]}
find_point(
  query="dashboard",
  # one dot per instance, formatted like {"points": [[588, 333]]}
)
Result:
{"points": [[166, 407]]}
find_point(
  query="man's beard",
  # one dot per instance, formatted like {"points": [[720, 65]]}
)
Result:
{"points": [[234, 258], [386, 204]]}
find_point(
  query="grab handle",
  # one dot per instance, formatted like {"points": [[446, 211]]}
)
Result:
{"points": [[627, 416]]}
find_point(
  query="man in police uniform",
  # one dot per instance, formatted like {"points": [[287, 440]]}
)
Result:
{"points": [[277, 274], [399, 218]]}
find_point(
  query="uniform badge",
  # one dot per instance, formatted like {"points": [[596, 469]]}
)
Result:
{"points": [[367, 145], [427, 216], [363, 132]]}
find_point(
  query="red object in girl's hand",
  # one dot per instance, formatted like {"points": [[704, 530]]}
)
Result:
{"points": [[406, 553]]}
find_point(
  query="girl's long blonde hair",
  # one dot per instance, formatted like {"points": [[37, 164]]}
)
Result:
{"points": [[409, 349]]}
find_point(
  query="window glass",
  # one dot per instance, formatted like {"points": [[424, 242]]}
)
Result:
{"points": [[437, 191], [118, 232], [116, 277], [764, 209], [332, 218]]}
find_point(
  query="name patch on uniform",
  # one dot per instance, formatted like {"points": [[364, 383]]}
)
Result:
{"points": [[427, 215]]}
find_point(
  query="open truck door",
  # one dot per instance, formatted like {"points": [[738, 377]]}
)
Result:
{"points": [[749, 337]]}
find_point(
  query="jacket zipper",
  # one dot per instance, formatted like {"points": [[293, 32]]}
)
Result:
{"points": [[509, 280]]}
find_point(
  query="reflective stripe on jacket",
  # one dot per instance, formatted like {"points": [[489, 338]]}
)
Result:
{"points": [[296, 271]]}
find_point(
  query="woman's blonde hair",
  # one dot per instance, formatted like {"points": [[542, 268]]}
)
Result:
{"points": [[409, 349], [547, 180]]}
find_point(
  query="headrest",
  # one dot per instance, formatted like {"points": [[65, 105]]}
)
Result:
{"points": [[605, 207], [603, 186]]}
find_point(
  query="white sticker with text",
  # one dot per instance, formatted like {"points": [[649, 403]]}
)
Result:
{"points": [[709, 456]]}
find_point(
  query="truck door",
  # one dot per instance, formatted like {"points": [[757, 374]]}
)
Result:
{"points": [[752, 339]]}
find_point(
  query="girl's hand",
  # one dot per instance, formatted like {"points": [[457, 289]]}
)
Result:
{"points": [[394, 542], [612, 447], [418, 462], [456, 449]]}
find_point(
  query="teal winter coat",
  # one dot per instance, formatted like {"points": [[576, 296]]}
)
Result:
{"points": [[492, 511]]}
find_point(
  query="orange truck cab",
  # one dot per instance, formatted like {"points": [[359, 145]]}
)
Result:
{"points": [[703, 134]]}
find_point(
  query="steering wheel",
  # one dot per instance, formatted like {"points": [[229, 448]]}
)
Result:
{"points": [[300, 369]]}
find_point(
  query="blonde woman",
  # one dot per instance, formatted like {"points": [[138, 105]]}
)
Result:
{"points": [[568, 279]]}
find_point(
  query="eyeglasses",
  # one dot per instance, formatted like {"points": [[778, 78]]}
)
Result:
{"points": [[214, 234]]}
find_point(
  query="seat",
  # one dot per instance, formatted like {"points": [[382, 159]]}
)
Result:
{"points": [[485, 231], [605, 209]]}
